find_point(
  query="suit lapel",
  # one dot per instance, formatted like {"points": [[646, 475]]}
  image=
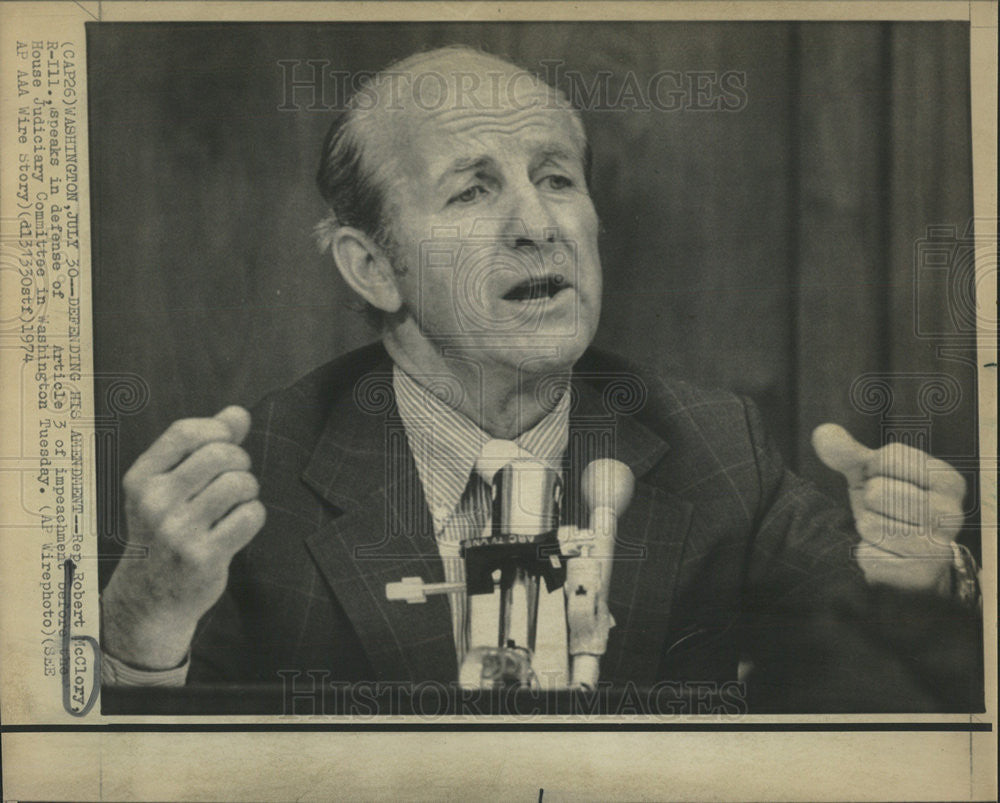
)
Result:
{"points": [[643, 580], [650, 535], [363, 466], [381, 531]]}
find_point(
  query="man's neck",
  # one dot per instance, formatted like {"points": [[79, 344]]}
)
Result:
{"points": [[501, 400]]}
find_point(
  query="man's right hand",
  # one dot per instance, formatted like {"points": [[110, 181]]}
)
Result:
{"points": [[190, 505]]}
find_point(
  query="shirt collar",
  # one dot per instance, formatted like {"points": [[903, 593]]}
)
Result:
{"points": [[446, 444]]}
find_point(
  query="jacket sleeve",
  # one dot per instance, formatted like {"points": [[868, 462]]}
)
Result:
{"points": [[821, 638], [227, 644], [222, 648]]}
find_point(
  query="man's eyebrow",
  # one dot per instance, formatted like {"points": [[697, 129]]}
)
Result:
{"points": [[464, 165], [554, 153], [548, 153], [557, 152]]}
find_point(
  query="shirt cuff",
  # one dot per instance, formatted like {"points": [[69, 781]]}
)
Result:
{"points": [[115, 672]]}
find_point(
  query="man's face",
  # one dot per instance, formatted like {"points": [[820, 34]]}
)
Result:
{"points": [[496, 229]]}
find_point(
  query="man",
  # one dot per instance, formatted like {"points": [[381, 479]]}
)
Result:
{"points": [[460, 213]]}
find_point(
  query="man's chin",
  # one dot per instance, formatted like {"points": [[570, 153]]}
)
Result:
{"points": [[543, 351], [547, 345]]}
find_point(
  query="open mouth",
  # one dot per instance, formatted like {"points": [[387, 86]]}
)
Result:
{"points": [[538, 287]]}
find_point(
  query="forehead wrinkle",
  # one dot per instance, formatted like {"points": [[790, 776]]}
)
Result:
{"points": [[449, 116], [534, 104], [458, 122], [481, 129], [481, 125], [467, 120]]}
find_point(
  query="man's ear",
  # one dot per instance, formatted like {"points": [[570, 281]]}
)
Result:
{"points": [[366, 268]]}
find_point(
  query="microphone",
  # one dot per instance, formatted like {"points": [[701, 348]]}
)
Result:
{"points": [[524, 522], [607, 487], [521, 545]]}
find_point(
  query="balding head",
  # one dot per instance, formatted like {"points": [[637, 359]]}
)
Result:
{"points": [[366, 151]]}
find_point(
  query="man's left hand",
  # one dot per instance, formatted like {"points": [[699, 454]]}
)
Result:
{"points": [[907, 508]]}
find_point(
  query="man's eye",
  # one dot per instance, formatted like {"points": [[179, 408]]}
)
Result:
{"points": [[468, 195], [557, 182]]}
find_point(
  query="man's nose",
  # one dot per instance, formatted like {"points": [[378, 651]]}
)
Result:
{"points": [[529, 221]]}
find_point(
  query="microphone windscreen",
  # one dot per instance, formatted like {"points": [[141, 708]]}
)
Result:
{"points": [[607, 483]]}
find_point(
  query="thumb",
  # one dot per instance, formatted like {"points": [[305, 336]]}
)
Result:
{"points": [[839, 451], [238, 421]]}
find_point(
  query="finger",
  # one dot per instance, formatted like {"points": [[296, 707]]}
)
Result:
{"points": [[177, 442], [223, 494], [154, 502], [905, 502], [198, 469], [838, 450], [182, 438], [235, 530], [905, 463], [899, 538], [881, 530], [238, 421]]}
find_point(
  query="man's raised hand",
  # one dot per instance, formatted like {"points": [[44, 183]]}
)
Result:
{"points": [[907, 508], [190, 505]]}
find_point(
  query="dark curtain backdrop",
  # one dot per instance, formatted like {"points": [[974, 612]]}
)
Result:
{"points": [[773, 250]]}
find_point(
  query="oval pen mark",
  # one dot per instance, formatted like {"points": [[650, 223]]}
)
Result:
{"points": [[67, 695]]}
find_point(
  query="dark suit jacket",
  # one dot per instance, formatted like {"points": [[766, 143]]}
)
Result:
{"points": [[723, 554]]}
